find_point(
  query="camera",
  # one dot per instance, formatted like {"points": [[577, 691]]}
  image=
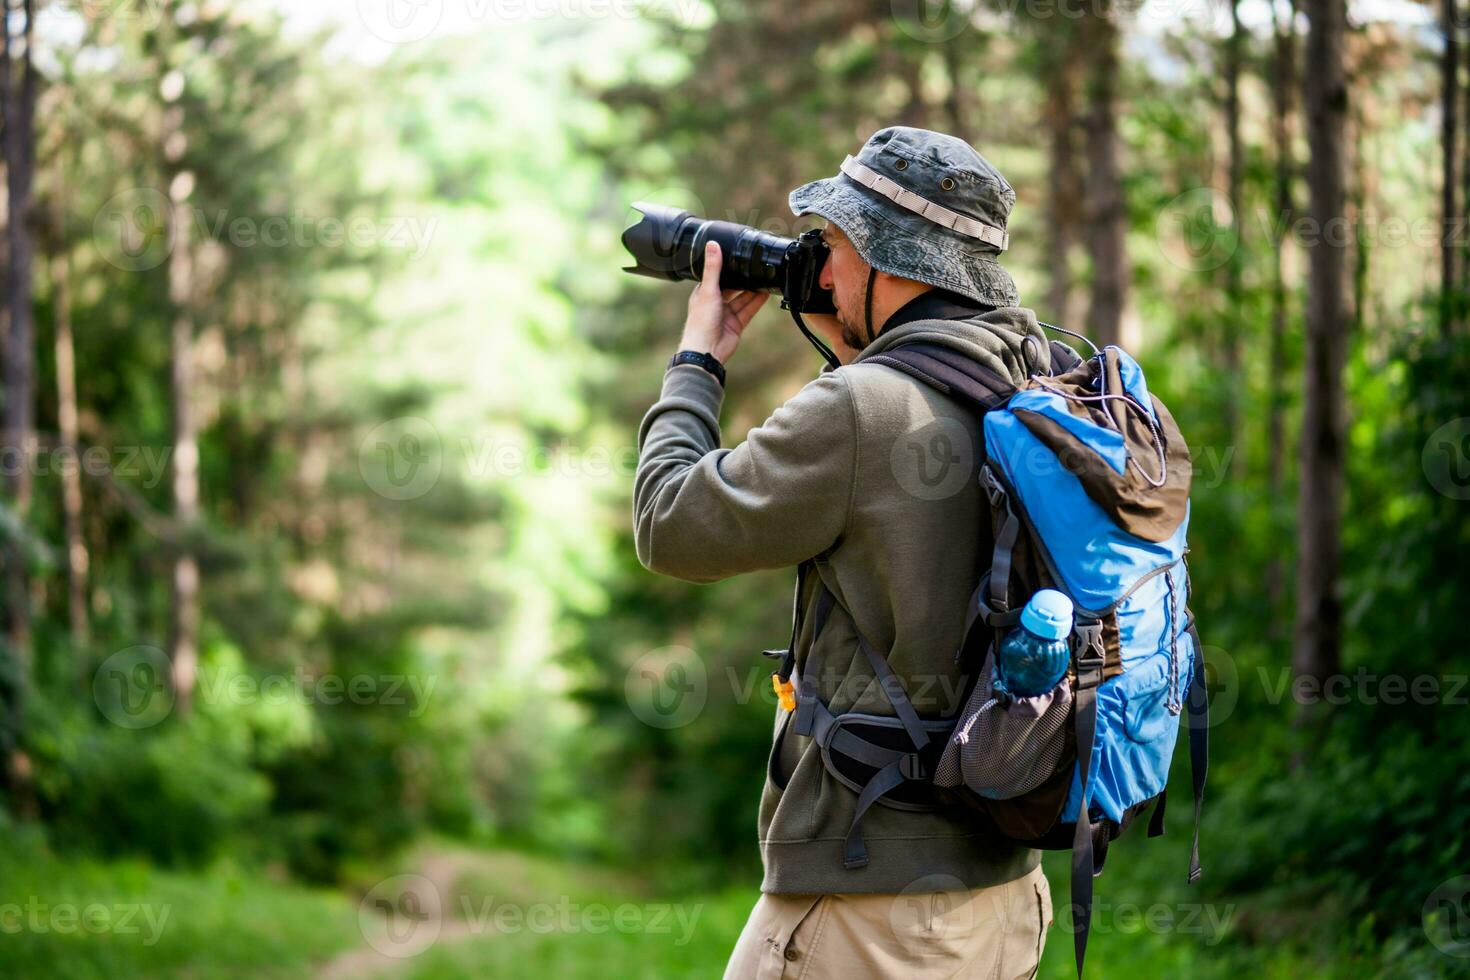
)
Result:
{"points": [[667, 243]]}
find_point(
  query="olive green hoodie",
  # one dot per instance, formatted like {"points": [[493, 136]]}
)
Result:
{"points": [[875, 475]]}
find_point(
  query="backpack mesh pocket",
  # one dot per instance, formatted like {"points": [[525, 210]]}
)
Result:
{"points": [[1002, 749]]}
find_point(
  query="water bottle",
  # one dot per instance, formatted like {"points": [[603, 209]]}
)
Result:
{"points": [[1033, 658]]}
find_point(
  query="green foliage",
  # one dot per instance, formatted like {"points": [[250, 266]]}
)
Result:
{"points": [[509, 589], [177, 794]]}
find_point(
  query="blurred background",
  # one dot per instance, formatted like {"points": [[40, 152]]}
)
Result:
{"points": [[326, 649]]}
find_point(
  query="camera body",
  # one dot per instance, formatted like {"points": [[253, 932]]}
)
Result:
{"points": [[667, 243]]}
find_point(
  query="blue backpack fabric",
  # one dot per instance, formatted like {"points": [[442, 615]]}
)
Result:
{"points": [[1088, 479]]}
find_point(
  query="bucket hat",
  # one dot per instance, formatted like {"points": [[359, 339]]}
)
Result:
{"points": [[924, 206]]}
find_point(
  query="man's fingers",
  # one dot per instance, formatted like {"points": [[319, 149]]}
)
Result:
{"points": [[710, 283], [739, 299], [746, 312]]}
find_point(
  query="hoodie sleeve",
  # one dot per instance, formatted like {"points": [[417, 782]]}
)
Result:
{"points": [[702, 513]]}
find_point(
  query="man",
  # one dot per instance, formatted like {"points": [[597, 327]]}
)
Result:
{"points": [[874, 475]]}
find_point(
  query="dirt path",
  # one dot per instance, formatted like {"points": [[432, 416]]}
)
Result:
{"points": [[439, 897], [404, 915]]}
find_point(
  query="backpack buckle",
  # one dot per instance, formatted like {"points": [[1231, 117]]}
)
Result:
{"points": [[993, 489], [1088, 648], [912, 768]]}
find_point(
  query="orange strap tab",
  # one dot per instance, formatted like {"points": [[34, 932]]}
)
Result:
{"points": [[785, 692]]}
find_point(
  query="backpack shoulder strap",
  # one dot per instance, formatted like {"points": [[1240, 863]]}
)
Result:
{"points": [[1063, 358], [950, 373]]}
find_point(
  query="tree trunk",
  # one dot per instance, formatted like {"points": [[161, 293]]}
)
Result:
{"points": [[1317, 643], [77, 559], [183, 637], [954, 101], [1063, 182], [20, 105], [1461, 233], [1282, 87], [1106, 215], [1449, 68], [1233, 318], [184, 612]]}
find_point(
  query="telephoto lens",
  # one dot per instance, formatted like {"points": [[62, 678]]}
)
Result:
{"points": [[667, 243]]}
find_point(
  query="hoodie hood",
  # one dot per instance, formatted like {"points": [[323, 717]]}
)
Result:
{"points": [[1007, 341]]}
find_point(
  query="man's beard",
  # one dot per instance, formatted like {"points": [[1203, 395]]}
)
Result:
{"points": [[849, 336]]}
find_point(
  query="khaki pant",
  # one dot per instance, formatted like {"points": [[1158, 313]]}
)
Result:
{"points": [[995, 932]]}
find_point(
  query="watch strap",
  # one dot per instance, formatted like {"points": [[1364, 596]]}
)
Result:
{"points": [[704, 360]]}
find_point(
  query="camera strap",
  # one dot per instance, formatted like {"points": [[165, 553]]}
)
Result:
{"points": [[816, 342], [868, 306]]}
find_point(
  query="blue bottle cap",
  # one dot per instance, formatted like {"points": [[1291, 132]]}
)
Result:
{"points": [[1048, 615]]}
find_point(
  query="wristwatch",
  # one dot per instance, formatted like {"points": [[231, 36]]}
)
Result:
{"points": [[706, 361]]}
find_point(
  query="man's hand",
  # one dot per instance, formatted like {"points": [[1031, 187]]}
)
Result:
{"points": [[717, 319]]}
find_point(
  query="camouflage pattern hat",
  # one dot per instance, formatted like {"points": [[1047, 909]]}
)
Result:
{"points": [[924, 206]]}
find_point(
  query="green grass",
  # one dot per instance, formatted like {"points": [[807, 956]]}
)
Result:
{"points": [[144, 922], [510, 915], [595, 947]]}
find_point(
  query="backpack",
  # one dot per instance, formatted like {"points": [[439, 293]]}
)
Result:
{"points": [[1088, 480]]}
